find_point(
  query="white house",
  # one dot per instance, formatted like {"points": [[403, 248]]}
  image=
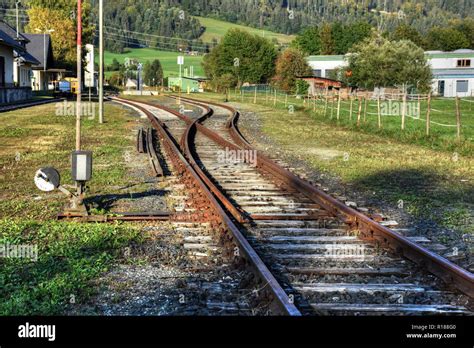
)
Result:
{"points": [[15, 66], [453, 72], [23, 61], [323, 66]]}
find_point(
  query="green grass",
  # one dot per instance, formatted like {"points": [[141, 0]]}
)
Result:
{"points": [[70, 256], [168, 60], [443, 113], [35, 137], [216, 29]]}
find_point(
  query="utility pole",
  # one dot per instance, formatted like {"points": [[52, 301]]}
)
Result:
{"points": [[101, 61], [17, 20], [79, 73]]}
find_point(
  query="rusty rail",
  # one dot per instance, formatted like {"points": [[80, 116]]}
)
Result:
{"points": [[213, 209], [152, 154], [370, 230]]}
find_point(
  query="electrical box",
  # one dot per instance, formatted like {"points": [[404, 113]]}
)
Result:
{"points": [[81, 165]]}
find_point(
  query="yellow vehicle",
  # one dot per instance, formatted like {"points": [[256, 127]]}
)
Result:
{"points": [[67, 86]]}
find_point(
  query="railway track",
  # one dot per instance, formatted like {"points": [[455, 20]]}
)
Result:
{"points": [[27, 104], [310, 253]]}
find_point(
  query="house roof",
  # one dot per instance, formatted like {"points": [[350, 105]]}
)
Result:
{"points": [[26, 57], [7, 40], [10, 31], [35, 47], [326, 58], [462, 53]]}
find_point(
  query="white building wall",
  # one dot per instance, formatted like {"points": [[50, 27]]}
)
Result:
{"points": [[326, 65], [22, 74], [7, 53]]}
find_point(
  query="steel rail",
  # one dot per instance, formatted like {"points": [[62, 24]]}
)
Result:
{"points": [[280, 299], [450, 273]]}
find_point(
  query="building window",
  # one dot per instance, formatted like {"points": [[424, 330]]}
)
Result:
{"points": [[464, 63], [330, 74], [462, 86], [317, 72]]}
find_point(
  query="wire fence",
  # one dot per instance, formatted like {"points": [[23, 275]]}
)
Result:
{"points": [[422, 113]]}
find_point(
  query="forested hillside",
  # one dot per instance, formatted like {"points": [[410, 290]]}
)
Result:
{"points": [[162, 23]]}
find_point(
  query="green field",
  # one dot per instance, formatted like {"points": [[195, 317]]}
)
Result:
{"points": [[214, 29], [168, 59], [443, 130], [217, 29]]}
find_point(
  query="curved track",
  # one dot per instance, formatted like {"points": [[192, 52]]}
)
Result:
{"points": [[323, 257]]}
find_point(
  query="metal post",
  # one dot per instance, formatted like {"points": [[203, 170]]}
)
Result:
{"points": [[101, 61], [44, 62], [17, 20], [79, 77]]}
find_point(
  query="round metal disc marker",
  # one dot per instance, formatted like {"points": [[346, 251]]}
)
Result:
{"points": [[47, 179]]}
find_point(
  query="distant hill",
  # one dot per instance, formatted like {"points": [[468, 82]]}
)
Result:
{"points": [[178, 24], [215, 29]]}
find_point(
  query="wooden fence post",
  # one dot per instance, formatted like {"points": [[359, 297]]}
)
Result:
{"points": [[359, 112], [255, 96], [332, 106], [275, 99], [365, 110], [404, 110], [338, 105], [419, 106], [350, 109], [326, 106], [379, 112], [458, 118], [428, 114]]}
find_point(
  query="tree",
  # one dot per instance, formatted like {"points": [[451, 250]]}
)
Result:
{"points": [[153, 73], [115, 66], [467, 28], [302, 87], [446, 39], [407, 32], [308, 41], [60, 16], [290, 65], [378, 62], [327, 42], [248, 58]]}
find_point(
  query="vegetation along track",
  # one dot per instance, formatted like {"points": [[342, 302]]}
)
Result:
{"points": [[323, 257]]}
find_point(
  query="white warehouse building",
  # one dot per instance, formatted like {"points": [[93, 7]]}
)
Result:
{"points": [[453, 72]]}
